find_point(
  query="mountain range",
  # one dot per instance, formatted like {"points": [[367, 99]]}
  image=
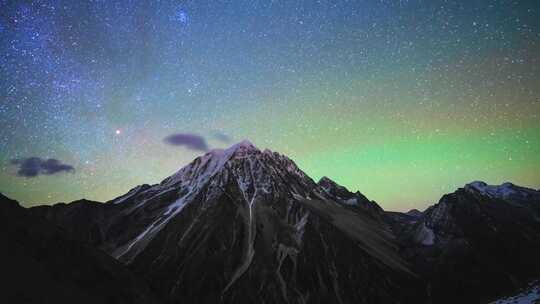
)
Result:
{"points": [[241, 225]]}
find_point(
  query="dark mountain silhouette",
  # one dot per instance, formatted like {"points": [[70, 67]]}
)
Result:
{"points": [[247, 226], [40, 263]]}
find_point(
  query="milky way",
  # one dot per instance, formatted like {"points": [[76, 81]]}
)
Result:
{"points": [[402, 100]]}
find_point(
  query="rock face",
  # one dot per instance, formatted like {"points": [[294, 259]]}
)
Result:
{"points": [[40, 263], [478, 243], [356, 201], [247, 226]]}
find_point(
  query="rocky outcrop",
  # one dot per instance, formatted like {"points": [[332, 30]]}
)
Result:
{"points": [[356, 201]]}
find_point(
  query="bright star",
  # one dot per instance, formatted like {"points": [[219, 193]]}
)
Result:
{"points": [[181, 16]]}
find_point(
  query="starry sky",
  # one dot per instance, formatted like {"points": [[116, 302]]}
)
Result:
{"points": [[401, 100]]}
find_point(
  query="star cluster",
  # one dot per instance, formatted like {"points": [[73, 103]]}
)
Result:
{"points": [[402, 100]]}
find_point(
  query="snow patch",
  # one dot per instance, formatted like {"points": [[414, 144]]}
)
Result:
{"points": [[156, 226], [351, 202], [425, 236], [250, 252], [527, 296]]}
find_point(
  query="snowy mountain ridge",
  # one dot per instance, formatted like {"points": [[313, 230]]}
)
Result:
{"points": [[505, 191]]}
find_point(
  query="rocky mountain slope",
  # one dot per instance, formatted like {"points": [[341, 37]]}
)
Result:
{"points": [[242, 225], [478, 243]]}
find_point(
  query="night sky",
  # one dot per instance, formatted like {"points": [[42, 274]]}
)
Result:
{"points": [[401, 100]]}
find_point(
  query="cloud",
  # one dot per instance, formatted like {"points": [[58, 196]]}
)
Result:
{"points": [[190, 141], [34, 166], [221, 137]]}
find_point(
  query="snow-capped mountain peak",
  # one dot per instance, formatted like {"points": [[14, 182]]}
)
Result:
{"points": [[244, 145], [241, 168], [237, 150], [505, 191], [208, 165]]}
